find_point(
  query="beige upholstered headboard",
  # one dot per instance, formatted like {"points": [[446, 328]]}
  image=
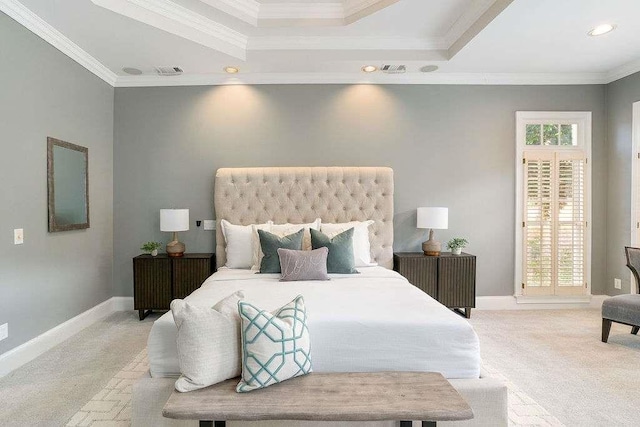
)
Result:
{"points": [[301, 194]]}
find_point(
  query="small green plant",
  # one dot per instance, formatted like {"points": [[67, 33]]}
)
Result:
{"points": [[457, 242], [151, 246]]}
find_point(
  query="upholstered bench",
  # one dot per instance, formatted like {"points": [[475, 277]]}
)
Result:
{"points": [[366, 396]]}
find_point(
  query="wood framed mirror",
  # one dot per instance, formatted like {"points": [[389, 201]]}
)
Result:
{"points": [[67, 185]]}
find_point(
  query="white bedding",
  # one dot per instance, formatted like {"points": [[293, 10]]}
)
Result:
{"points": [[373, 321]]}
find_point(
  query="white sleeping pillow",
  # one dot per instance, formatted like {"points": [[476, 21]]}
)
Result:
{"points": [[361, 243], [239, 240], [208, 342], [282, 230]]}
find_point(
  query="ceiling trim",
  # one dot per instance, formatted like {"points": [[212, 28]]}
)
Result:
{"points": [[623, 71], [180, 21], [345, 43], [471, 23], [55, 38], [351, 78]]}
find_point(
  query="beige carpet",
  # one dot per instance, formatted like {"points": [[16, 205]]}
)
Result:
{"points": [[557, 370], [557, 358]]}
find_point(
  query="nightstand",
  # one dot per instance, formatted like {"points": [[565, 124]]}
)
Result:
{"points": [[159, 280], [450, 279]]}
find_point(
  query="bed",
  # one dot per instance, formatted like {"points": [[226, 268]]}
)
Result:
{"points": [[373, 321]]}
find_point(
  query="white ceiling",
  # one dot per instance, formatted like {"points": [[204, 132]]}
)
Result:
{"points": [[328, 41]]}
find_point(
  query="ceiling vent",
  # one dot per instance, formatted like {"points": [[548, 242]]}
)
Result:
{"points": [[169, 71], [394, 69]]}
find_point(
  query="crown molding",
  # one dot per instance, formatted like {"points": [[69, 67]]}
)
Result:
{"points": [[180, 21], [245, 10], [55, 38], [353, 78], [345, 43], [623, 71]]}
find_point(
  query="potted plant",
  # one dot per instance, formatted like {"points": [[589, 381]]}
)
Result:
{"points": [[456, 244], [151, 248]]}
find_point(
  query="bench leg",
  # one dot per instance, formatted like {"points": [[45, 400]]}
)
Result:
{"points": [[213, 423], [635, 329], [606, 328]]}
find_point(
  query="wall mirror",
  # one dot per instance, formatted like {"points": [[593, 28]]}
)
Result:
{"points": [[67, 185]]}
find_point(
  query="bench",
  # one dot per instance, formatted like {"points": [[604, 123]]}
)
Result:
{"points": [[371, 396]]}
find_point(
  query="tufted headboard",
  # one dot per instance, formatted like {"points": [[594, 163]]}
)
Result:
{"points": [[302, 194]]}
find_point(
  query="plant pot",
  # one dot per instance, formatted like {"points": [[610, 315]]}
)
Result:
{"points": [[456, 251], [154, 252]]}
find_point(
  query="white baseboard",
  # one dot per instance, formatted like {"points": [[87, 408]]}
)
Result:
{"points": [[33, 348], [122, 303], [540, 303]]}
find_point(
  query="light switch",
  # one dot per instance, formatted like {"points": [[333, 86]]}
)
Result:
{"points": [[18, 236], [209, 224]]}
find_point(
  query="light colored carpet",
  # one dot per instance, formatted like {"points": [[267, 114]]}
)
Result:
{"points": [[557, 370], [49, 390], [557, 358]]}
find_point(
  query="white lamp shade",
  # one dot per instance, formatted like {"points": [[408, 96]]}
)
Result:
{"points": [[437, 218], [174, 219]]}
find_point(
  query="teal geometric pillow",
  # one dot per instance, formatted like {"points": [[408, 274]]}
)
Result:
{"points": [[270, 243], [340, 259], [275, 347]]}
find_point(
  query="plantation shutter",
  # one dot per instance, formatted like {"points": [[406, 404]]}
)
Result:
{"points": [[554, 223]]}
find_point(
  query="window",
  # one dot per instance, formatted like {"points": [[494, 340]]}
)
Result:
{"points": [[552, 227]]}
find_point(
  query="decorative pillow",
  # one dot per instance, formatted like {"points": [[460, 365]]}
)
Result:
{"points": [[282, 230], [238, 240], [340, 258], [275, 347], [303, 265], [361, 243], [270, 243], [208, 342]]}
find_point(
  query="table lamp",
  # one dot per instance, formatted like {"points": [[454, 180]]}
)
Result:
{"points": [[432, 218], [174, 220]]}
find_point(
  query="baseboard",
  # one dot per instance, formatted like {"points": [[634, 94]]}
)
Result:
{"points": [[122, 303], [33, 348], [511, 303]]}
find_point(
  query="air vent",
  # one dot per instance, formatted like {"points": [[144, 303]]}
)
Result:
{"points": [[394, 69], [169, 71]]}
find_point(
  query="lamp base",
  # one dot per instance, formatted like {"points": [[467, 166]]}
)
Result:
{"points": [[175, 249], [431, 247]]}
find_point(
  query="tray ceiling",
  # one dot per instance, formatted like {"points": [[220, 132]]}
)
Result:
{"points": [[312, 41]]}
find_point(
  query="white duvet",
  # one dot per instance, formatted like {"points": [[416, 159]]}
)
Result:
{"points": [[373, 321]]}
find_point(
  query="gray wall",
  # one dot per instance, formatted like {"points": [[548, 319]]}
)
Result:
{"points": [[620, 96], [449, 146], [52, 277]]}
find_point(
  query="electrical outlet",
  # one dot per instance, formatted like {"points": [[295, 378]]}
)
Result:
{"points": [[18, 236], [617, 283], [209, 224], [4, 331]]}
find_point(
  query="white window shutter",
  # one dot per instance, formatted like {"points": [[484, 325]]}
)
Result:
{"points": [[554, 240]]}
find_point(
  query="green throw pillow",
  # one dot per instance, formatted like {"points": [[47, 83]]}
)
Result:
{"points": [[270, 243], [340, 258]]}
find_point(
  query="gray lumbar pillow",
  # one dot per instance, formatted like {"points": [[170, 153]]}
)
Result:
{"points": [[340, 258], [270, 243], [303, 265]]}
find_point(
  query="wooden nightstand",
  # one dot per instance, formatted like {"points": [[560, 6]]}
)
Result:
{"points": [[159, 280], [450, 279]]}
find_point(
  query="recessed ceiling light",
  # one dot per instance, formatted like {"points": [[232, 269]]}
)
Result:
{"points": [[369, 68], [429, 68], [132, 71], [602, 29], [231, 70]]}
